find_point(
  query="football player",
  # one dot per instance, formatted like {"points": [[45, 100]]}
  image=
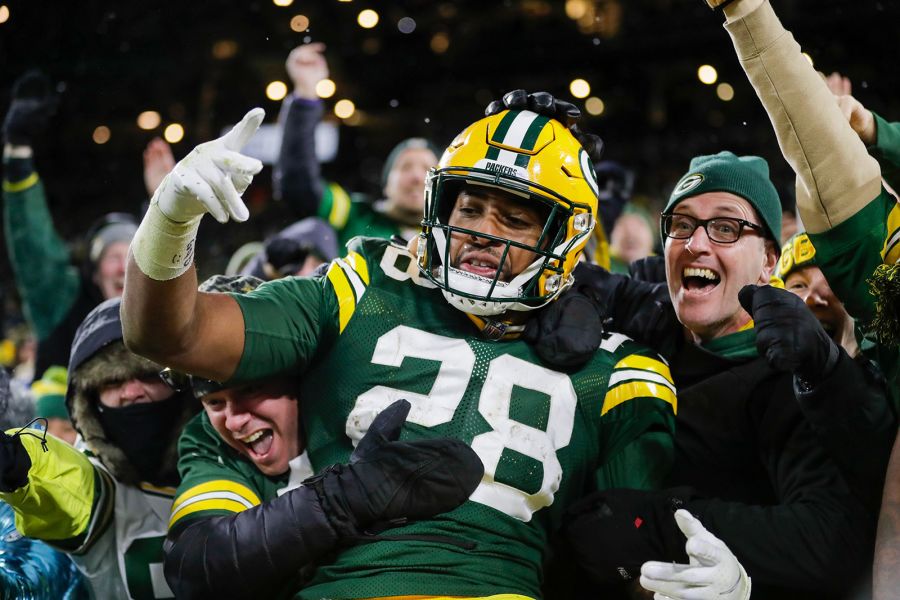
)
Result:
{"points": [[509, 208]]}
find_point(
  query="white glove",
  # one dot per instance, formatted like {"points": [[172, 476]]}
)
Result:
{"points": [[713, 573], [212, 177]]}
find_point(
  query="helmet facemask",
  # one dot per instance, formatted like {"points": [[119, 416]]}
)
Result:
{"points": [[540, 282], [530, 158]]}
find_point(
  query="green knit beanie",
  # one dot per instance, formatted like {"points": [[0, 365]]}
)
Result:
{"points": [[407, 144], [744, 176], [50, 394]]}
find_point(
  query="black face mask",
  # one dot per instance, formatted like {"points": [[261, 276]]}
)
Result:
{"points": [[143, 431]]}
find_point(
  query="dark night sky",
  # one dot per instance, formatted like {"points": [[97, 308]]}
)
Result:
{"points": [[117, 59]]}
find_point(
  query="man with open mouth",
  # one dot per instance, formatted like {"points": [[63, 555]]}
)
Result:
{"points": [[745, 453], [248, 516]]}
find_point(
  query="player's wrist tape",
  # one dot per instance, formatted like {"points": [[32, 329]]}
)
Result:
{"points": [[162, 248]]}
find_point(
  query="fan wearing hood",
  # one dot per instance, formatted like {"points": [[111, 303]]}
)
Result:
{"points": [[109, 505]]}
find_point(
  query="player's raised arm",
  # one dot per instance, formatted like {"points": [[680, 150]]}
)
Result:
{"points": [[163, 315]]}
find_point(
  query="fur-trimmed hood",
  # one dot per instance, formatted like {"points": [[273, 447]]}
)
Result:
{"points": [[99, 357]]}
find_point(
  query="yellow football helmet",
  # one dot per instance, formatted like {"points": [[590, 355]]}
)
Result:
{"points": [[532, 157]]}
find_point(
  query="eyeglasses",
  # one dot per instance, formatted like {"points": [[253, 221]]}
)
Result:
{"points": [[180, 382], [724, 230]]}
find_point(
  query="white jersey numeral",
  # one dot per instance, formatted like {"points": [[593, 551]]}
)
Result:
{"points": [[438, 406]]}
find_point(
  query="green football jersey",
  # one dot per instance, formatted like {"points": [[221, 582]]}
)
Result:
{"points": [[215, 478], [371, 332]]}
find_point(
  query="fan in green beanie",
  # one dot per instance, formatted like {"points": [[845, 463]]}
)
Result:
{"points": [[744, 176]]}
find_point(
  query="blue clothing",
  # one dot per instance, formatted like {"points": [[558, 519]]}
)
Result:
{"points": [[30, 569]]}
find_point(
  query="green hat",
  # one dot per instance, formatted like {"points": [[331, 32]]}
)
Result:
{"points": [[744, 176], [797, 252], [415, 143], [50, 394]]}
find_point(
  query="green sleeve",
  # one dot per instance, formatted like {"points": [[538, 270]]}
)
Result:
{"points": [[887, 150], [209, 487], [335, 206], [849, 253], [67, 500], [638, 423], [46, 281], [285, 322]]}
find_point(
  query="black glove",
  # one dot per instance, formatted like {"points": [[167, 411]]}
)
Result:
{"points": [[14, 463], [33, 103], [543, 103], [614, 532], [567, 333], [388, 482], [788, 334]]}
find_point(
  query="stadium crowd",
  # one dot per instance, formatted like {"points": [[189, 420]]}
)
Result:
{"points": [[501, 380]]}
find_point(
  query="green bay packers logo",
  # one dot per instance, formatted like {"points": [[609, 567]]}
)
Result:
{"points": [[688, 183]]}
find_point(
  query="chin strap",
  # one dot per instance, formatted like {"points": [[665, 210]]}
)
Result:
{"points": [[496, 330]]}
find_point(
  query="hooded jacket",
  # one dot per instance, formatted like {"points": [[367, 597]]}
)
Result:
{"points": [[99, 357]]}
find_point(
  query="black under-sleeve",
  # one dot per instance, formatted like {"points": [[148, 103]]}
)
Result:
{"points": [[254, 553]]}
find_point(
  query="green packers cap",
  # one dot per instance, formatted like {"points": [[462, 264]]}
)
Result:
{"points": [[797, 252], [744, 176]]}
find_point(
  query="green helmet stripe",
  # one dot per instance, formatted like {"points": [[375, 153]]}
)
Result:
{"points": [[504, 125], [534, 130]]}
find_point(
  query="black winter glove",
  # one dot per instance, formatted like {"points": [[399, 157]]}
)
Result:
{"points": [[568, 332], [14, 463], [388, 481], [543, 103], [788, 334], [33, 103], [614, 532]]}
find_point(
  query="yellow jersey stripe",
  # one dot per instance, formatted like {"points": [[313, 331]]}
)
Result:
{"points": [[626, 375], [340, 206], [637, 389], [645, 363], [355, 260], [212, 504], [18, 186], [343, 291], [890, 254], [217, 485], [359, 288]]}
